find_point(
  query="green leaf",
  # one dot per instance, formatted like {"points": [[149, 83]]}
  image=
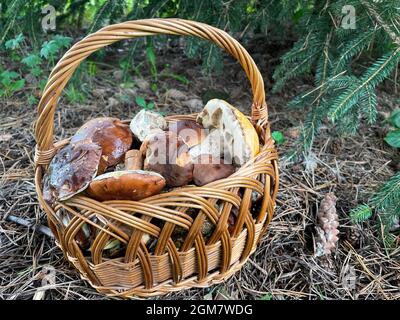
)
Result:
{"points": [[62, 41], [267, 296], [395, 118], [151, 55], [6, 77], [32, 100], [49, 49], [140, 101], [393, 138], [154, 87], [150, 105], [127, 84], [37, 71], [14, 43], [42, 84], [10, 74], [361, 213], [31, 60], [92, 68], [112, 244], [177, 77], [297, 15], [75, 95], [17, 85], [278, 137]]}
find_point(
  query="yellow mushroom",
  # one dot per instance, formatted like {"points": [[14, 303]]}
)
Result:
{"points": [[239, 138]]}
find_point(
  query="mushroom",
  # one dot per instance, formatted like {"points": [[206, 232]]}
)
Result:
{"points": [[239, 136], [134, 160], [233, 215], [129, 184], [71, 170], [189, 130], [113, 136], [167, 154], [85, 234], [147, 122], [207, 169], [213, 144]]}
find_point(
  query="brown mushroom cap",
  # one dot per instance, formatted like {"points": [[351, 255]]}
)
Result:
{"points": [[167, 154], [126, 185], [208, 169], [113, 136], [129, 184], [190, 131], [232, 219], [71, 170]]}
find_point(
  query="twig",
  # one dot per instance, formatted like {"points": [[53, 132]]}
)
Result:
{"points": [[42, 229]]}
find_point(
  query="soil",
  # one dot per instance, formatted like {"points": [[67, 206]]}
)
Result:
{"points": [[284, 265]]}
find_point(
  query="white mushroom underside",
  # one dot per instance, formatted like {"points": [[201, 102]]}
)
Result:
{"points": [[227, 137], [213, 144]]}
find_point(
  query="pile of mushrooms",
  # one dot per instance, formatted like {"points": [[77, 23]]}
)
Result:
{"points": [[180, 153], [108, 159]]}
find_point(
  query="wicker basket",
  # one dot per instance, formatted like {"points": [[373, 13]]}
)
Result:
{"points": [[198, 262]]}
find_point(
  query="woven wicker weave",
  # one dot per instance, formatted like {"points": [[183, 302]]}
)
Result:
{"points": [[198, 262]]}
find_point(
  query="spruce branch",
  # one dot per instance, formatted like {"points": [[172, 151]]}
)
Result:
{"points": [[352, 48], [378, 19], [361, 213], [388, 195], [368, 102], [371, 78]]}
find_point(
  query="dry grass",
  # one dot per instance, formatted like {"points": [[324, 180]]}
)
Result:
{"points": [[283, 266]]}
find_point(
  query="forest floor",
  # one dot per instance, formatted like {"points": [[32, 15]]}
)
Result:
{"points": [[284, 266]]}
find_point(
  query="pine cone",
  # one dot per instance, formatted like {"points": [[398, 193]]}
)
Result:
{"points": [[327, 226], [353, 236]]}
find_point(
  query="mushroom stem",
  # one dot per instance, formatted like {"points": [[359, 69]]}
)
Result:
{"points": [[133, 160]]}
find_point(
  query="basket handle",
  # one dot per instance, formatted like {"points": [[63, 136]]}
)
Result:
{"points": [[62, 72]]}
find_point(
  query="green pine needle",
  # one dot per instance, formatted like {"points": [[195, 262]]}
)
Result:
{"points": [[361, 213]]}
